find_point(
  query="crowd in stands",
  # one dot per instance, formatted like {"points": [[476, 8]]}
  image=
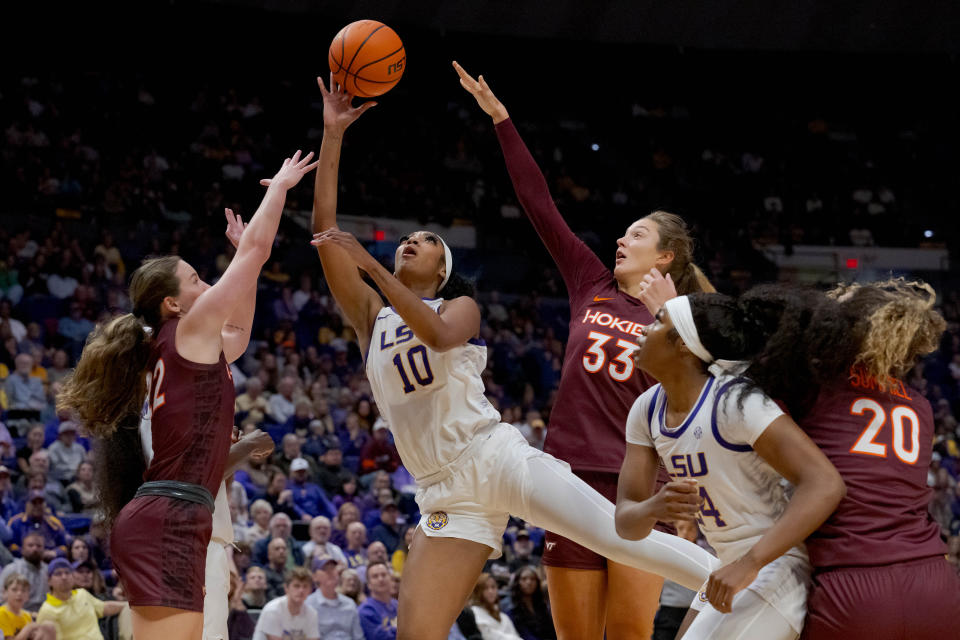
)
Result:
{"points": [[95, 177]]}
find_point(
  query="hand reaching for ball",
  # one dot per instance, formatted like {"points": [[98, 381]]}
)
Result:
{"points": [[484, 96], [338, 110]]}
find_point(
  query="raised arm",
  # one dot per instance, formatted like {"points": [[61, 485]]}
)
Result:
{"points": [[236, 330], [457, 321], [360, 303], [199, 333], [818, 489], [578, 265]]}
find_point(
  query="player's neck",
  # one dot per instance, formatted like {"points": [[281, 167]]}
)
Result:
{"points": [[683, 389], [630, 288]]}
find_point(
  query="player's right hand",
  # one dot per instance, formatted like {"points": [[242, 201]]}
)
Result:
{"points": [[676, 500], [263, 444], [292, 170], [338, 110], [484, 96]]}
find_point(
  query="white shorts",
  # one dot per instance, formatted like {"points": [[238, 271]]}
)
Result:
{"points": [[216, 607], [782, 584], [472, 497]]}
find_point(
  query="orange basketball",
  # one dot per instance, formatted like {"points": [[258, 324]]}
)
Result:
{"points": [[367, 58]]}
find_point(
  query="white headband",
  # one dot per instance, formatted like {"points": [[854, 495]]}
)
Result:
{"points": [[682, 317], [447, 261]]}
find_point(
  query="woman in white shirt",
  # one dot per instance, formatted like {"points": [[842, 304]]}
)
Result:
{"points": [[493, 625]]}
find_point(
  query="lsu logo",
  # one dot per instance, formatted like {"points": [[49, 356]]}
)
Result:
{"points": [[702, 596], [437, 520]]}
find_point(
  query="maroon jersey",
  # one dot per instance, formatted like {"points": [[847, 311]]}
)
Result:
{"points": [[879, 435], [192, 415], [598, 383]]}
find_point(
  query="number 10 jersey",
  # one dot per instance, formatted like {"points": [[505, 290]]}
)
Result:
{"points": [[433, 401]]}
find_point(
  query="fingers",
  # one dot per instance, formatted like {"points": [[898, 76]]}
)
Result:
{"points": [[305, 160], [462, 72], [266, 182], [228, 212], [296, 157], [310, 167], [366, 106], [718, 593], [323, 87]]}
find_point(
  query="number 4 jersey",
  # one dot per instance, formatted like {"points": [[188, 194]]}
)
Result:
{"points": [[879, 436], [434, 402]]}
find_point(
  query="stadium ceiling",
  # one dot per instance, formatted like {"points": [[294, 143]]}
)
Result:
{"points": [[797, 25]]}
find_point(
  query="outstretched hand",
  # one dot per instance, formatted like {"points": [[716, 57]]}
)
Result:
{"points": [[338, 110], [347, 242], [292, 170], [235, 227], [481, 91]]}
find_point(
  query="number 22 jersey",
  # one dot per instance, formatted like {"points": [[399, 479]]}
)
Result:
{"points": [[433, 401]]}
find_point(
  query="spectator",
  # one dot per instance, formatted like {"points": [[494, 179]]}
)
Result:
{"points": [[14, 620], [319, 544], [280, 497], [348, 493], [289, 451], [379, 453], [252, 402], [17, 329], [336, 612], [347, 513], [35, 438], [66, 453], [87, 576], [78, 551], [38, 478], [24, 392], [356, 549], [255, 588], [529, 611], [81, 492], [74, 613], [388, 530], [281, 405], [276, 567], [330, 471], [399, 557], [308, 498], [240, 626], [493, 624], [253, 475], [287, 617], [32, 566], [523, 554], [280, 528], [351, 586], [260, 513], [36, 519], [378, 613], [353, 436], [60, 367], [376, 553], [299, 423], [8, 502], [75, 329]]}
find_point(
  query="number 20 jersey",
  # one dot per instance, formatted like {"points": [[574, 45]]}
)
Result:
{"points": [[434, 402], [879, 436]]}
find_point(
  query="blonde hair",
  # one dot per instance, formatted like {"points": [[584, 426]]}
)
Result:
{"points": [[675, 236], [899, 323]]}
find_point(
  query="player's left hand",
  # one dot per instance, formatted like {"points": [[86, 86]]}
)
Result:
{"points": [[235, 227], [656, 290], [263, 444], [291, 171], [346, 241], [727, 581]]}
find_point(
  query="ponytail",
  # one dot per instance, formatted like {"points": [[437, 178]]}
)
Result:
{"points": [[675, 236]]}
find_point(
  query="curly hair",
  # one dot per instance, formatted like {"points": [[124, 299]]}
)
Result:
{"points": [[897, 321], [456, 286]]}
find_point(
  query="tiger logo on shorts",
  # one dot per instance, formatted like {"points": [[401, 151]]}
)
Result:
{"points": [[437, 520], [702, 595]]}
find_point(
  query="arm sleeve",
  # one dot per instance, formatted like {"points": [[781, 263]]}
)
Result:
{"points": [[745, 425], [577, 263], [638, 425]]}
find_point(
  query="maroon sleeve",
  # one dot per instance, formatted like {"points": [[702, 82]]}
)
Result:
{"points": [[578, 265]]}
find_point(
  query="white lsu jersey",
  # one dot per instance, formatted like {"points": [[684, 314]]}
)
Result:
{"points": [[434, 402], [742, 496]]}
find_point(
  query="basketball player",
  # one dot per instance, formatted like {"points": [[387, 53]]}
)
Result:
{"points": [[423, 360], [728, 448], [598, 383], [182, 334], [879, 568]]}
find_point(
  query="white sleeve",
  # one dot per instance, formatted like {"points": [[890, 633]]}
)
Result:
{"points": [[744, 426], [638, 426]]}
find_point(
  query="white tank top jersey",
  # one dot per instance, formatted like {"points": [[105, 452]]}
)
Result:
{"points": [[742, 495], [433, 402]]}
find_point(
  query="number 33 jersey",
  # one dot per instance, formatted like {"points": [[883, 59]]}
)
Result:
{"points": [[434, 402], [742, 496]]}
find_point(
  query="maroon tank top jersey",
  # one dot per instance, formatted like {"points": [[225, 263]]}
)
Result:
{"points": [[879, 435], [192, 415]]}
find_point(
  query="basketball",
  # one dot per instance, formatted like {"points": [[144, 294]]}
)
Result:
{"points": [[367, 58]]}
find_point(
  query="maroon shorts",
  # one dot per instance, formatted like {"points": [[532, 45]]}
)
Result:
{"points": [[916, 600], [159, 549], [562, 552]]}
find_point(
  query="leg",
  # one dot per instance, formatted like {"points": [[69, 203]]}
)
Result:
{"points": [[578, 599], [752, 618], [438, 576], [557, 500], [632, 602], [217, 580], [166, 623]]}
